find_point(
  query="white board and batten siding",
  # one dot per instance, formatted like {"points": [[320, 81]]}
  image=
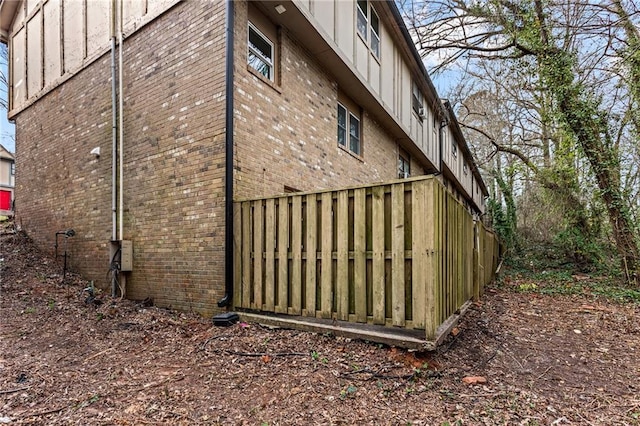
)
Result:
{"points": [[51, 40], [388, 77]]}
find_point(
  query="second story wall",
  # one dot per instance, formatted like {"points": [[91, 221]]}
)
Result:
{"points": [[368, 39], [51, 40]]}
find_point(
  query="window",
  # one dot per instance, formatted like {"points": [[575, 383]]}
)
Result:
{"points": [[375, 34], [416, 100], [404, 166], [349, 130], [465, 169], [368, 25], [454, 149], [13, 169], [260, 55], [363, 10]]}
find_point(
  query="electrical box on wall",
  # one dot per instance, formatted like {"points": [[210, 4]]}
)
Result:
{"points": [[126, 255], [121, 254]]}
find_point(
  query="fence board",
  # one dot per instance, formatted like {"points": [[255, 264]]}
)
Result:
{"points": [[378, 232], [359, 254], [257, 255], [296, 255], [237, 253], [342, 275], [419, 256], [270, 250], [326, 292], [432, 242], [246, 255], [283, 258], [310, 249], [397, 253]]}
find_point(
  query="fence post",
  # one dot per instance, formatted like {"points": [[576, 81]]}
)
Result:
{"points": [[476, 261], [432, 276]]}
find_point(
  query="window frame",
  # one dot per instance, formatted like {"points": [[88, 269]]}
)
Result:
{"points": [[269, 62], [365, 15], [348, 137], [364, 18], [376, 50], [404, 165], [417, 103]]}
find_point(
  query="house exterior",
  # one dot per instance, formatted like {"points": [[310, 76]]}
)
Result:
{"points": [[7, 181], [141, 121]]}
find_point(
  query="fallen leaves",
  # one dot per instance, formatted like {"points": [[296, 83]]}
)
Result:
{"points": [[474, 380]]}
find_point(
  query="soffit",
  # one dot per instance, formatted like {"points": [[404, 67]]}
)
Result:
{"points": [[8, 10]]}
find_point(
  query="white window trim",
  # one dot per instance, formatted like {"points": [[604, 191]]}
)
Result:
{"points": [[269, 61], [369, 30], [347, 129], [366, 20], [372, 11]]}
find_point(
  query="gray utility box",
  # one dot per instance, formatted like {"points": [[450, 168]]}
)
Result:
{"points": [[125, 257]]}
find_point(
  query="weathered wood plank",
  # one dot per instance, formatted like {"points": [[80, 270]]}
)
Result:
{"points": [[270, 254], [326, 290], [359, 255], [378, 282], [247, 287], [258, 227], [476, 262], [283, 259], [311, 247], [237, 255], [432, 283], [296, 255], [397, 253], [342, 273], [388, 336], [419, 260]]}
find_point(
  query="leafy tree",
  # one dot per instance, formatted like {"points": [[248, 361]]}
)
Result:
{"points": [[568, 71]]}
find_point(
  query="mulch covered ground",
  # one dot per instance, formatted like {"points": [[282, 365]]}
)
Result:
{"points": [[532, 359]]}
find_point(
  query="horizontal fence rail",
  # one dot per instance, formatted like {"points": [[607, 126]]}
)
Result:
{"points": [[401, 254]]}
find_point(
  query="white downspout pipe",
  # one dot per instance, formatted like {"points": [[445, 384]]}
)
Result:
{"points": [[114, 124], [121, 116], [114, 145]]}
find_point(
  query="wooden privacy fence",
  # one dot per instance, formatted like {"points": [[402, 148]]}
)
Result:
{"points": [[404, 254]]}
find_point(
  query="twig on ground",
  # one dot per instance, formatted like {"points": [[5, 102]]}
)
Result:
{"points": [[156, 384], [4, 392], [98, 354], [378, 375], [259, 354], [545, 372], [44, 413]]}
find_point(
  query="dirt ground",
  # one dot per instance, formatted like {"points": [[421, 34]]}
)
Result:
{"points": [[547, 360]]}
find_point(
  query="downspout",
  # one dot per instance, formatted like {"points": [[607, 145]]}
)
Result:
{"points": [[114, 122], [114, 137], [121, 117], [228, 183]]}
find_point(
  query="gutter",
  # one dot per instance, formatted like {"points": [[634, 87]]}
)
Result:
{"points": [[228, 178]]}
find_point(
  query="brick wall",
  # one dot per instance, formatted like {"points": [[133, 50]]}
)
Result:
{"points": [[285, 134], [174, 161]]}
